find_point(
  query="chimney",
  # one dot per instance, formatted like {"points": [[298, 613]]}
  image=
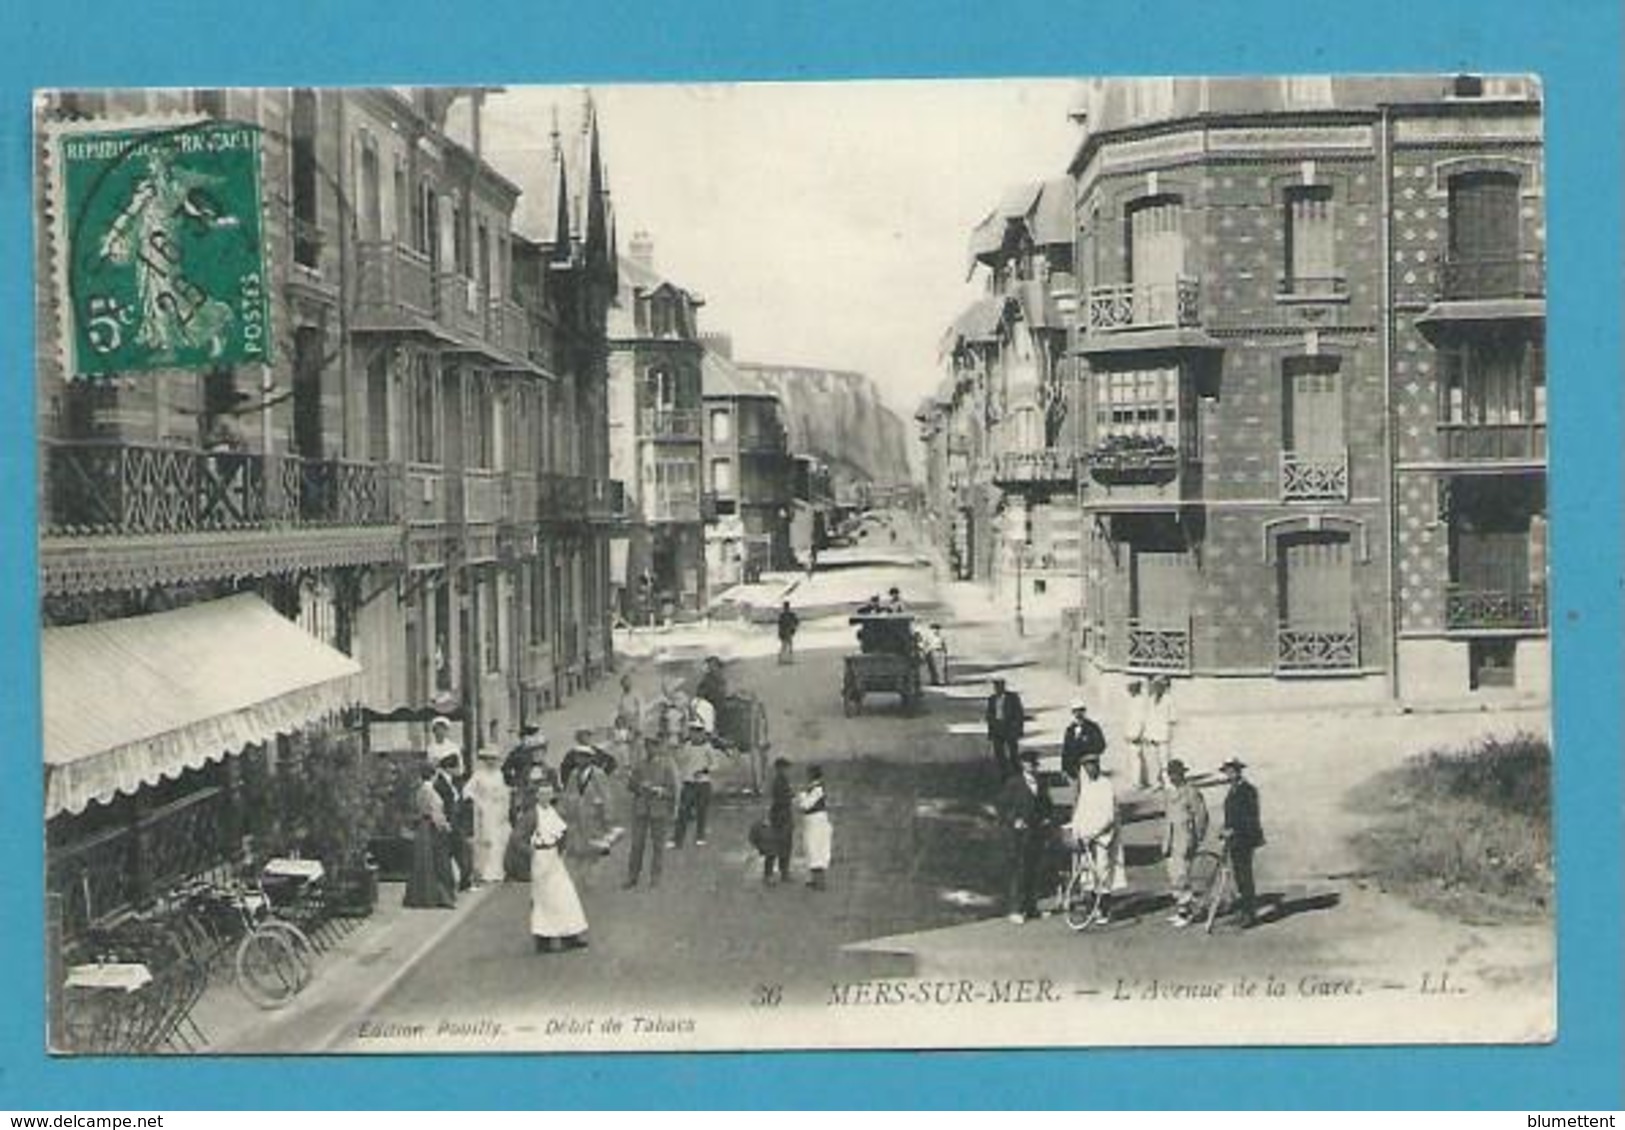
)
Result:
{"points": [[641, 250]]}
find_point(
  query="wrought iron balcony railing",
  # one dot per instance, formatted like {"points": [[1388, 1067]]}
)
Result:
{"points": [[483, 495], [1494, 609], [508, 326], [1159, 647], [1517, 275], [460, 304], [1314, 476], [1048, 465], [670, 423], [1473, 443], [97, 488], [1299, 648], [1144, 305]]}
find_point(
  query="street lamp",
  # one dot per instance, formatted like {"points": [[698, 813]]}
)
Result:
{"points": [[1021, 561]]}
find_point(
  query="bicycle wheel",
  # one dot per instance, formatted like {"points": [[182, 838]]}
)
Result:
{"points": [[269, 971], [1082, 900], [299, 942]]}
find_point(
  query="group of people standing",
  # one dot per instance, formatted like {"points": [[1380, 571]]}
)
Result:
{"points": [[1095, 823]]}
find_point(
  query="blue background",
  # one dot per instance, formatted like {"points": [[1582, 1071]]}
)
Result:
{"points": [[1575, 47]]}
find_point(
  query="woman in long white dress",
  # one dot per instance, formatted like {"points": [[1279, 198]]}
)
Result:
{"points": [[556, 918], [491, 828], [817, 835]]}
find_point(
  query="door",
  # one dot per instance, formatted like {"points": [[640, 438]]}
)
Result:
{"points": [[1315, 580], [1483, 236]]}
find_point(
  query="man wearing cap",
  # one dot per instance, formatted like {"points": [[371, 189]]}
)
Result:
{"points": [[1243, 835], [1024, 810], [1184, 830], [653, 786], [1006, 721], [1094, 828], [1083, 738], [694, 762]]}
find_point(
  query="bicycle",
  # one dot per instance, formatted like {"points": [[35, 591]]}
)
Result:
{"points": [[1212, 883], [1082, 893], [274, 959]]}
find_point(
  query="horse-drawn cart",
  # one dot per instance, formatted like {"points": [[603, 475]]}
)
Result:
{"points": [[888, 661]]}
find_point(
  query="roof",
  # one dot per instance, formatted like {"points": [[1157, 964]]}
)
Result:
{"points": [[1044, 208], [720, 377], [978, 322], [635, 277], [134, 701]]}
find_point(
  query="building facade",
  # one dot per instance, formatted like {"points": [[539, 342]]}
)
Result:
{"points": [[418, 477], [656, 419], [748, 475], [1311, 321], [1014, 517]]}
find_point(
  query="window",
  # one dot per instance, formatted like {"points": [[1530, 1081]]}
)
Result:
{"points": [[1138, 403], [722, 476], [1483, 260], [677, 479], [307, 246], [372, 211], [424, 447], [721, 426], [491, 625], [1311, 256], [1495, 377], [1314, 406], [538, 599], [459, 239]]}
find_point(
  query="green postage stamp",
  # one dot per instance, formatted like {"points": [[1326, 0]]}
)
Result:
{"points": [[159, 245]]}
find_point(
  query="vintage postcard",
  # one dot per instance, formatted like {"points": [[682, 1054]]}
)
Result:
{"points": [[849, 565]]}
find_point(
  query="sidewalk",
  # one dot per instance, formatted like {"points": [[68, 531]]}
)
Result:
{"points": [[364, 965]]}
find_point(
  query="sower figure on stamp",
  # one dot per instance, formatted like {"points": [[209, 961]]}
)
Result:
{"points": [[1243, 835], [1186, 827], [1006, 722], [1024, 810], [653, 787]]}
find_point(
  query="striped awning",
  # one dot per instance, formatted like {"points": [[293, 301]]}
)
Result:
{"points": [[134, 701]]}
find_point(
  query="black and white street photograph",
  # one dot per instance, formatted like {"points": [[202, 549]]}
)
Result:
{"points": [[806, 565]]}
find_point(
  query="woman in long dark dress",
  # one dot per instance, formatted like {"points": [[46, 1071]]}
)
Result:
{"points": [[431, 883]]}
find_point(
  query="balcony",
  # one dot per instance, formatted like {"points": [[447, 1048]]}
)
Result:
{"points": [[508, 327], [1319, 478], [561, 498], [1494, 609], [606, 500], [680, 425], [482, 495], [102, 489], [1303, 650], [673, 506], [1481, 277], [522, 499], [425, 494], [394, 278], [1159, 648], [460, 305], [1051, 466], [1133, 460], [1493, 443], [762, 443], [1141, 306]]}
